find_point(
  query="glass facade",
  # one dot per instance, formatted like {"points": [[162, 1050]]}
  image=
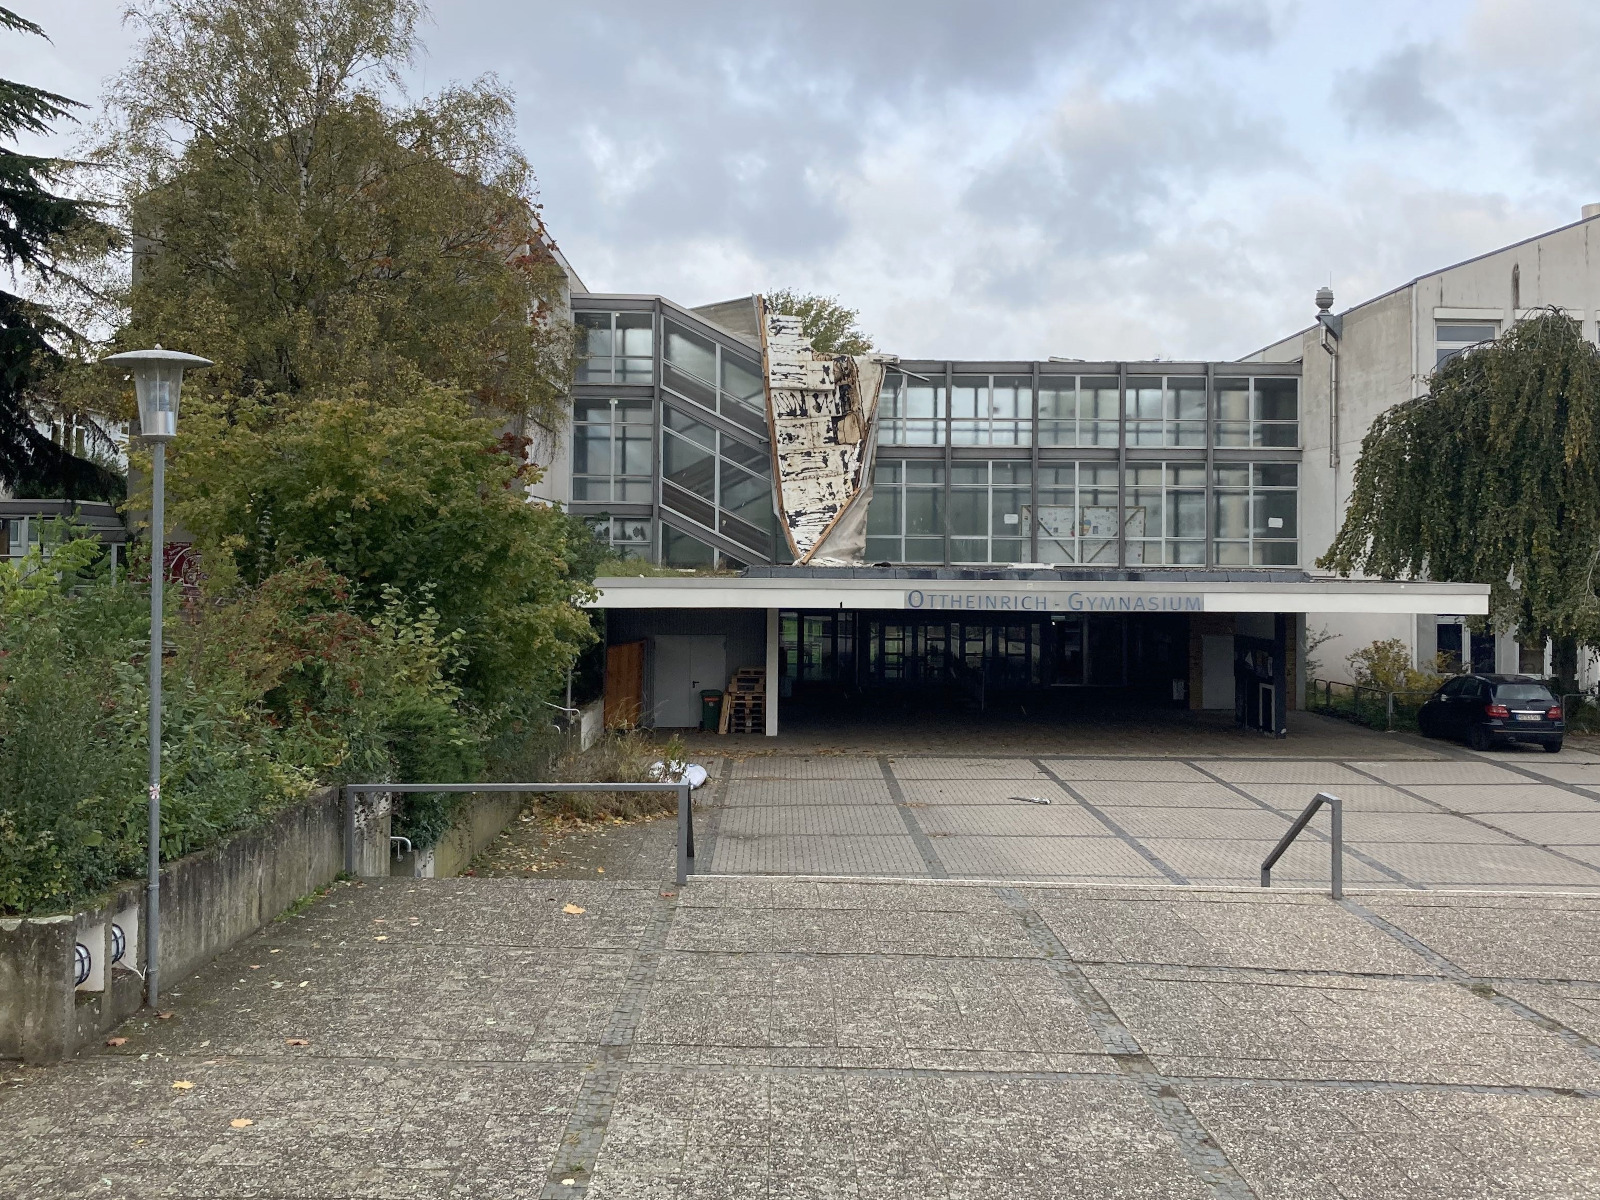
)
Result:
{"points": [[615, 347], [1256, 514], [1104, 465], [906, 521], [697, 369], [717, 481], [612, 441]]}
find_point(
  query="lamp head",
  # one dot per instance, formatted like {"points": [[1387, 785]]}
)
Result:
{"points": [[158, 381]]}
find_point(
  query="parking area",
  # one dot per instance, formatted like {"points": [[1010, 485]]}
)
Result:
{"points": [[1437, 818]]}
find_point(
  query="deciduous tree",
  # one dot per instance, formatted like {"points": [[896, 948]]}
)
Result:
{"points": [[829, 324]]}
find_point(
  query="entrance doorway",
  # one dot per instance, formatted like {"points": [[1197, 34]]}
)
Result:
{"points": [[685, 665]]}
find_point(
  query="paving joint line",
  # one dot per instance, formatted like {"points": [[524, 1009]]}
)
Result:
{"points": [[1359, 855], [1133, 843], [1473, 820], [919, 836], [1207, 1160], [1481, 987], [585, 1133], [705, 845], [1243, 1082]]}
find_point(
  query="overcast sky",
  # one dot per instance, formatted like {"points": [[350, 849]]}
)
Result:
{"points": [[1010, 178]]}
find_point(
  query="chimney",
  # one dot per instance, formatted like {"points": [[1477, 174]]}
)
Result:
{"points": [[1591, 210]]}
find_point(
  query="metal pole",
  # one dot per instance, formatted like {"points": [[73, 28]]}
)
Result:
{"points": [[683, 836], [1338, 846], [158, 553]]}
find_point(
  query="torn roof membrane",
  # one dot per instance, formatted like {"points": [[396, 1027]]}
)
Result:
{"points": [[822, 409]]}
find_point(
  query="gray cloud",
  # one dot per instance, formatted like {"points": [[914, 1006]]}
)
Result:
{"points": [[1393, 94]]}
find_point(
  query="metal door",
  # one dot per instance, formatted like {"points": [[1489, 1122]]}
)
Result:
{"points": [[685, 665]]}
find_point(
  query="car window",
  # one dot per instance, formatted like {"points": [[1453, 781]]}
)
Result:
{"points": [[1508, 693], [1453, 688], [1477, 689]]}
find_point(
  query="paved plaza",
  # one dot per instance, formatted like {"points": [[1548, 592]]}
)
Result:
{"points": [[988, 998]]}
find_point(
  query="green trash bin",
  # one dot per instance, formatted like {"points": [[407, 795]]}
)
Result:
{"points": [[710, 710]]}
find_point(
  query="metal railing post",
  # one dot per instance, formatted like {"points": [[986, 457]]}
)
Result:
{"points": [[685, 838], [1388, 720], [1295, 830]]}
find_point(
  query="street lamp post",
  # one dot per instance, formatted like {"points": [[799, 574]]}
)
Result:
{"points": [[157, 381]]}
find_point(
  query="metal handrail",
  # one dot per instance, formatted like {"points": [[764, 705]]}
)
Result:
{"points": [[685, 808], [1304, 819]]}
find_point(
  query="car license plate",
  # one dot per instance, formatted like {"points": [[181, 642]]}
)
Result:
{"points": [[1530, 716]]}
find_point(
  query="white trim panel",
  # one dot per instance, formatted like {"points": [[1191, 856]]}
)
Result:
{"points": [[1014, 595]]}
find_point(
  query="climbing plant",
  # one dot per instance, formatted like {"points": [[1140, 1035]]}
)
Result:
{"points": [[1492, 477]]}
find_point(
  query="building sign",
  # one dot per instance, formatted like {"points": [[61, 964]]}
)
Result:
{"points": [[1103, 602]]}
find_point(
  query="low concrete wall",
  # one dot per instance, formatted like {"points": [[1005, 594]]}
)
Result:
{"points": [[209, 901], [478, 822]]}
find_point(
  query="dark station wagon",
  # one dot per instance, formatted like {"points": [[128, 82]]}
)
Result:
{"points": [[1493, 710]]}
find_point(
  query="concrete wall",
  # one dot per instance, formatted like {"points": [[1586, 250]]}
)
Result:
{"points": [[209, 901]]}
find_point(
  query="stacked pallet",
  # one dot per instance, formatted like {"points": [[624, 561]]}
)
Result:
{"points": [[744, 704]]}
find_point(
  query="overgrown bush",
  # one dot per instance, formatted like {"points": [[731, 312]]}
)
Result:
{"points": [[267, 693], [1386, 665], [619, 756]]}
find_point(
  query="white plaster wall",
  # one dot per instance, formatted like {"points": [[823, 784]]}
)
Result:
{"points": [[1386, 355]]}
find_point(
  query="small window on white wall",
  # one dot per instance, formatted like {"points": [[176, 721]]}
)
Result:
{"points": [[1450, 338]]}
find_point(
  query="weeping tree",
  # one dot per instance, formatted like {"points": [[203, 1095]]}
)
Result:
{"points": [[1493, 477]]}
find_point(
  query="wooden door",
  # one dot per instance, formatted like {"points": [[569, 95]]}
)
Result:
{"points": [[624, 702]]}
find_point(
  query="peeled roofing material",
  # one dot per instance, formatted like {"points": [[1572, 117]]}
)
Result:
{"points": [[823, 412]]}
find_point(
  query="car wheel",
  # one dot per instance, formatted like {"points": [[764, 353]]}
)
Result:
{"points": [[1553, 747], [1425, 725], [1478, 739]]}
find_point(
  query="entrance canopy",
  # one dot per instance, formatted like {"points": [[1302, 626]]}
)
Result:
{"points": [[1021, 590]]}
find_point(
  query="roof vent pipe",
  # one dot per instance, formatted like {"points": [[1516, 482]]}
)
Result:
{"points": [[1591, 210], [1324, 298]]}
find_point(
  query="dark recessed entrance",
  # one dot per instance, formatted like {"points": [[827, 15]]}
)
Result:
{"points": [[881, 657]]}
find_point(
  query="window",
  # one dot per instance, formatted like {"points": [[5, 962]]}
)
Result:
{"points": [[611, 451], [911, 412], [991, 410], [1078, 411], [628, 537], [1077, 513], [1451, 338], [615, 347], [987, 500], [1165, 514], [716, 481], [1166, 411], [698, 369], [1255, 514], [1258, 412], [906, 520]]}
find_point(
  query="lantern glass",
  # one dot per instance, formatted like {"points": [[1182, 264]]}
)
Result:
{"points": [[157, 382], [158, 385]]}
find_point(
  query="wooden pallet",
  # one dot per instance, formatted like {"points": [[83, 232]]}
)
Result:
{"points": [[744, 704]]}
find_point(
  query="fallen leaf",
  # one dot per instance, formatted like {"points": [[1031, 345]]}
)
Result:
{"points": [[274, 951], [241, 1122], [382, 937], [305, 983], [183, 1085], [668, 895], [255, 966], [296, 1042], [573, 909], [116, 1041], [599, 870], [165, 1016]]}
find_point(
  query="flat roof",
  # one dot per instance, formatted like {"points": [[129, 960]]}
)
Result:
{"points": [[1020, 590]]}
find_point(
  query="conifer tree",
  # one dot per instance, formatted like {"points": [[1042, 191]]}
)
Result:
{"points": [[34, 221]]}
